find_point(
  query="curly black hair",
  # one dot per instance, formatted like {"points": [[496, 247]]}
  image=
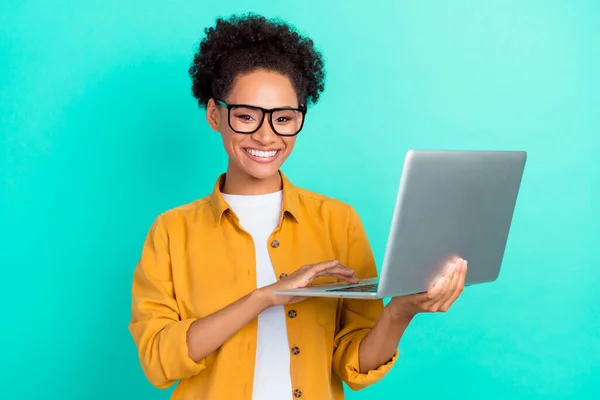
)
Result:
{"points": [[241, 44]]}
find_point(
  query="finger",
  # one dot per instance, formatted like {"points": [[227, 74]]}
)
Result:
{"points": [[350, 279], [442, 303], [454, 276], [324, 269], [433, 294], [430, 297], [308, 272], [437, 297], [462, 273], [323, 265], [339, 269]]}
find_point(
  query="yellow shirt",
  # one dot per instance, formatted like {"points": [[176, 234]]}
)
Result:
{"points": [[197, 259]]}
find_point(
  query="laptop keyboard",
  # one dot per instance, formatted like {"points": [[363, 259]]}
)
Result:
{"points": [[362, 288]]}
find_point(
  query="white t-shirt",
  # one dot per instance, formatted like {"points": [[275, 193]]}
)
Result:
{"points": [[259, 216]]}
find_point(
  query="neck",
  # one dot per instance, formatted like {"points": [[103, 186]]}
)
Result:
{"points": [[238, 182]]}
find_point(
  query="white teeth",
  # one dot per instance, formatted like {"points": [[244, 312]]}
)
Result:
{"points": [[262, 154]]}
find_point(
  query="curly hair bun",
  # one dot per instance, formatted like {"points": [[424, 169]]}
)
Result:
{"points": [[243, 43]]}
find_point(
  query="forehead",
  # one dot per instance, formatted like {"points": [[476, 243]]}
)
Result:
{"points": [[264, 89]]}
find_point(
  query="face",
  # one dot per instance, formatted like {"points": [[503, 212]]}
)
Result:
{"points": [[258, 155]]}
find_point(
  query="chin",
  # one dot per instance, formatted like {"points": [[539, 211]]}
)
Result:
{"points": [[263, 172], [260, 169]]}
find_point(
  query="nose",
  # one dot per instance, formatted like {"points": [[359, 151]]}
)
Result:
{"points": [[265, 135]]}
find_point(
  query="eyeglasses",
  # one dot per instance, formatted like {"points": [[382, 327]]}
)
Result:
{"points": [[247, 119]]}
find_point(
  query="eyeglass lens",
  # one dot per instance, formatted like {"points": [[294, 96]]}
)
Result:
{"points": [[247, 119]]}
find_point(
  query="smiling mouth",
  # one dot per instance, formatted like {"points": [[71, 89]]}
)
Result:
{"points": [[262, 155]]}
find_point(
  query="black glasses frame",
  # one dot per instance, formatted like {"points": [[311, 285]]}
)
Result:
{"points": [[264, 111]]}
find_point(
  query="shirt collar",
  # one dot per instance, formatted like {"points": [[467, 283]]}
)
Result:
{"points": [[289, 205]]}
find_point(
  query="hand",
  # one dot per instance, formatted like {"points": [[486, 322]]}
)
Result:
{"points": [[439, 298], [302, 278]]}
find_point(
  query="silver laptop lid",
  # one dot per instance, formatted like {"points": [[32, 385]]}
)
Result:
{"points": [[449, 204]]}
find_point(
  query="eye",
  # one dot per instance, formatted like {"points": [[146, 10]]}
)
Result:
{"points": [[245, 117]]}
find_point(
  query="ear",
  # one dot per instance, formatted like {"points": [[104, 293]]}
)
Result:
{"points": [[213, 114]]}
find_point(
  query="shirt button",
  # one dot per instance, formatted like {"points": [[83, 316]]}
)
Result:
{"points": [[297, 393], [292, 314], [295, 350], [275, 244], [284, 275]]}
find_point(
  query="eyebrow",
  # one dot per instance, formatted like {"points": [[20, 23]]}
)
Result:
{"points": [[284, 107], [235, 103]]}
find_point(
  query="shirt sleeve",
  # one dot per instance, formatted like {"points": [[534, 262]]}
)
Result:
{"points": [[358, 316], [156, 325]]}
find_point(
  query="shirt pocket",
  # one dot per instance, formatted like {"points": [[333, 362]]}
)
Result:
{"points": [[326, 310]]}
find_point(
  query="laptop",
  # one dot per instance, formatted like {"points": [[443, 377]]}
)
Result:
{"points": [[450, 203]]}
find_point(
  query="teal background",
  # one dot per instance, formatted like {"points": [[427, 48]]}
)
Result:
{"points": [[99, 134]]}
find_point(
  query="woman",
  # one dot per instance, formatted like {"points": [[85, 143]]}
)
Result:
{"points": [[204, 309]]}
